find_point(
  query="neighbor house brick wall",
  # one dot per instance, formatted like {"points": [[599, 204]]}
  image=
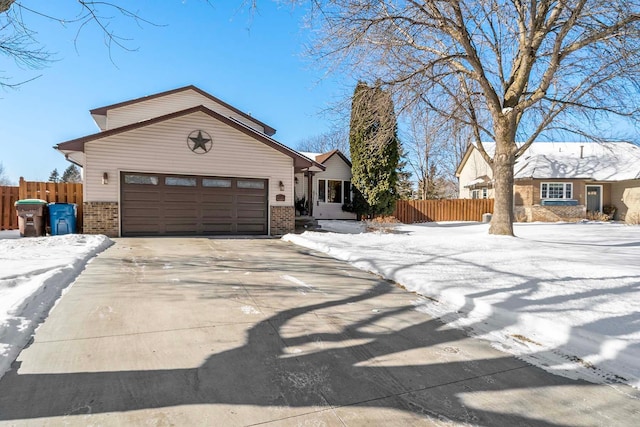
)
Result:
{"points": [[625, 196], [101, 218], [282, 220], [523, 194], [550, 213]]}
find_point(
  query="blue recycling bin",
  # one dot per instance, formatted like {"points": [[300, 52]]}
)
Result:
{"points": [[62, 218]]}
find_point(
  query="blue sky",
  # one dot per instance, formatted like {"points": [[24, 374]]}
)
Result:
{"points": [[255, 63]]}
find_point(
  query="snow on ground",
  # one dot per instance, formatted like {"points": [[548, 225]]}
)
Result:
{"points": [[33, 273], [562, 296]]}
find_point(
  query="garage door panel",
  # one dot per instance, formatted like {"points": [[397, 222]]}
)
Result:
{"points": [[141, 212], [180, 199], [251, 228], [251, 214], [218, 214], [222, 199], [180, 229], [143, 229], [207, 205], [179, 210], [222, 228], [140, 196], [250, 199]]}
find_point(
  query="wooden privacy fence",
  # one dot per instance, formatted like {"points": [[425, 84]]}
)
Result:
{"points": [[411, 211], [58, 192], [8, 217]]}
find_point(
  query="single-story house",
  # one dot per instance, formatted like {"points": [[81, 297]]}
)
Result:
{"points": [[562, 180], [329, 190], [184, 162]]}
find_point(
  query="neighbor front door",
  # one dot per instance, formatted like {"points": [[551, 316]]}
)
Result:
{"points": [[594, 198]]}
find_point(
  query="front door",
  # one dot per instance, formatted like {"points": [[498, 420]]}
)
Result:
{"points": [[594, 198]]}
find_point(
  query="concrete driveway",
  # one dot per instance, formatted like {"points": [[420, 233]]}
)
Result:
{"points": [[260, 332]]}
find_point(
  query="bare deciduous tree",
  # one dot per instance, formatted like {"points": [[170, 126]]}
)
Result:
{"points": [[4, 179], [325, 142], [510, 70], [19, 42]]}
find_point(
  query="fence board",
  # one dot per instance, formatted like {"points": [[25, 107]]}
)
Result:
{"points": [[60, 192], [8, 217], [412, 211]]}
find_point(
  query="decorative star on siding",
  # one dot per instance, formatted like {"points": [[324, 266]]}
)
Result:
{"points": [[199, 142]]}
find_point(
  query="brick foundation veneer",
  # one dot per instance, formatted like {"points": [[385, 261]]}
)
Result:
{"points": [[101, 218], [282, 220], [550, 213]]}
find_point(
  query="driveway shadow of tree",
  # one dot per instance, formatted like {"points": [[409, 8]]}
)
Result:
{"points": [[259, 374]]}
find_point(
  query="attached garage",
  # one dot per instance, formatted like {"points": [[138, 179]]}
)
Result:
{"points": [[160, 204], [183, 162]]}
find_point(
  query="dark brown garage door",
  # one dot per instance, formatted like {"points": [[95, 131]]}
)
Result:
{"points": [[158, 204]]}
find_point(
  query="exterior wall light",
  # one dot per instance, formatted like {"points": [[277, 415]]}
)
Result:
{"points": [[105, 178], [281, 186]]}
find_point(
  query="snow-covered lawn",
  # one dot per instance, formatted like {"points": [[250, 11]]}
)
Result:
{"points": [[34, 272], [565, 297]]}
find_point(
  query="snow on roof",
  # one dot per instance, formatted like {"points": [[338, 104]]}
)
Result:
{"points": [[309, 154], [606, 161]]}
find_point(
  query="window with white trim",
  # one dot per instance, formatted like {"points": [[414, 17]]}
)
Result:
{"points": [[481, 193], [556, 190], [334, 191]]}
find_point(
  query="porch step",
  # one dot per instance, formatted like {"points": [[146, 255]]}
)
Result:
{"points": [[306, 223]]}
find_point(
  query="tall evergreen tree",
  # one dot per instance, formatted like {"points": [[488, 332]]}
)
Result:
{"points": [[374, 145], [71, 174], [404, 186], [54, 176]]}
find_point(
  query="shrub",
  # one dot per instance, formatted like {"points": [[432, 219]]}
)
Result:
{"points": [[597, 216], [382, 224], [632, 219]]}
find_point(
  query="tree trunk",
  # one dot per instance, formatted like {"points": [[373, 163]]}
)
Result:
{"points": [[503, 163]]}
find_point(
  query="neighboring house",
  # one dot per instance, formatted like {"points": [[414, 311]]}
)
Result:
{"points": [[327, 190], [184, 162], [556, 181]]}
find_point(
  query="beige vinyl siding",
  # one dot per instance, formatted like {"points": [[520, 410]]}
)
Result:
{"points": [[625, 196], [336, 169], [171, 103], [162, 148], [472, 169]]}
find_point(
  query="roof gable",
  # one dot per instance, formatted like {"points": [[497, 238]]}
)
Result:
{"points": [[323, 157], [100, 114], [78, 145]]}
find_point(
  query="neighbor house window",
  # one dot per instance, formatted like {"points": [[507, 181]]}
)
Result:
{"points": [[481, 193], [334, 191], [556, 190]]}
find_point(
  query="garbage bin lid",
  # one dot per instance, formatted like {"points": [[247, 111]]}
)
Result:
{"points": [[30, 202]]}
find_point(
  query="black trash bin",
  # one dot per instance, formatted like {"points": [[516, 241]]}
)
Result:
{"points": [[32, 215]]}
